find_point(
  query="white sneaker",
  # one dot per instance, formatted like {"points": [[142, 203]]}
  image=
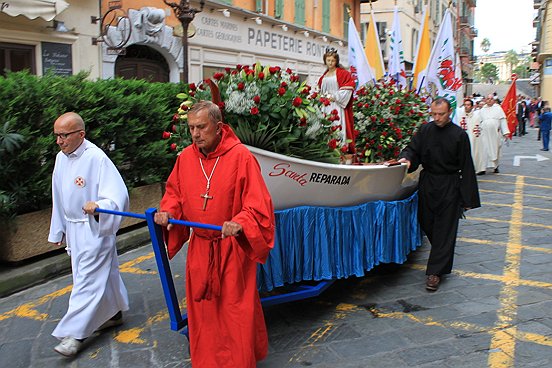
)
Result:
{"points": [[69, 346]]}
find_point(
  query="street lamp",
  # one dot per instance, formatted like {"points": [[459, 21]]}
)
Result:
{"points": [[185, 15]]}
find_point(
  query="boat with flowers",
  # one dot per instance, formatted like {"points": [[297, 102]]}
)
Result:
{"points": [[296, 182]]}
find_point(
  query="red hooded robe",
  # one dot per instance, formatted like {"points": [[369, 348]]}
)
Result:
{"points": [[345, 81], [225, 318]]}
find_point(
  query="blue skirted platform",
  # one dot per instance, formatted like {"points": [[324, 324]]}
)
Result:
{"points": [[328, 243]]}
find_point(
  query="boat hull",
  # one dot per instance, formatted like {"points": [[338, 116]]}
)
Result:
{"points": [[296, 182]]}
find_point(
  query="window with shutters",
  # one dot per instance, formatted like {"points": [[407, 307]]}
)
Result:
{"points": [[279, 9], [326, 16], [300, 12]]}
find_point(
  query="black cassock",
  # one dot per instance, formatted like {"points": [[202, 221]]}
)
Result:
{"points": [[447, 186]]}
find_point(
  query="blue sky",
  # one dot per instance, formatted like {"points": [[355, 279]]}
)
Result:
{"points": [[508, 24]]}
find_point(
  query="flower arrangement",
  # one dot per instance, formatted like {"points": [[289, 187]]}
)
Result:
{"points": [[268, 108], [386, 117]]}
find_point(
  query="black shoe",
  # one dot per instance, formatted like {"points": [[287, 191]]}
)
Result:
{"points": [[544, 149], [496, 170], [432, 282], [481, 173]]}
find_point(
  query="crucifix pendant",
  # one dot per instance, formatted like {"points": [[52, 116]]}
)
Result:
{"points": [[205, 197]]}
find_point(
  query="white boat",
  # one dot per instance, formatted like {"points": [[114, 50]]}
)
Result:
{"points": [[296, 182]]}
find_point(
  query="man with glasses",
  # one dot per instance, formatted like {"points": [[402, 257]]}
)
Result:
{"points": [[84, 179]]}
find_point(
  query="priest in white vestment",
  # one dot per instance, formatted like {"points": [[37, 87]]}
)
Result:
{"points": [[470, 121], [494, 130], [84, 179]]}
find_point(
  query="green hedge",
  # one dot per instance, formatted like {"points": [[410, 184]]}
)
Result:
{"points": [[126, 118]]}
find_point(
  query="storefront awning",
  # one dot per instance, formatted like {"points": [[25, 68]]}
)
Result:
{"points": [[32, 9]]}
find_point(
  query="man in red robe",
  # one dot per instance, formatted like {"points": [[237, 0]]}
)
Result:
{"points": [[216, 180]]}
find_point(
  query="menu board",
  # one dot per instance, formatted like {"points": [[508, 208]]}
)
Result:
{"points": [[57, 57]]}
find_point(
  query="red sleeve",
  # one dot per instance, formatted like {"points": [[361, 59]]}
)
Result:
{"points": [[257, 213], [172, 203], [344, 78]]}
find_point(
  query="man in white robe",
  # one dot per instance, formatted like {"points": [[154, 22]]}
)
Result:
{"points": [[84, 179], [470, 121], [494, 130]]}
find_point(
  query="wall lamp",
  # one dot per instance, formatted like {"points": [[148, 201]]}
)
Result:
{"points": [[339, 42], [257, 20], [59, 26], [283, 26], [306, 33], [323, 38], [225, 12]]}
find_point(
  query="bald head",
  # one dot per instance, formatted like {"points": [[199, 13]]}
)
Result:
{"points": [[69, 130]]}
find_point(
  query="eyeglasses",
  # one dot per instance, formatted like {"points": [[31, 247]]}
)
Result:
{"points": [[65, 135]]}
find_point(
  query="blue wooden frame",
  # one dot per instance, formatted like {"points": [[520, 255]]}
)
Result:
{"points": [[179, 320]]}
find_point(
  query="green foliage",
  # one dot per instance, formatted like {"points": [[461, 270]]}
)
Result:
{"points": [[123, 117], [488, 73]]}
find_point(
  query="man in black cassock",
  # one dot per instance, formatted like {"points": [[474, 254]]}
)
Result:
{"points": [[447, 185]]}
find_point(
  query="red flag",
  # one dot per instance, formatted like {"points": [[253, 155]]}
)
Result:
{"points": [[509, 107]]}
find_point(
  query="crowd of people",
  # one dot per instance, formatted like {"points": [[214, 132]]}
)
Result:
{"points": [[485, 122]]}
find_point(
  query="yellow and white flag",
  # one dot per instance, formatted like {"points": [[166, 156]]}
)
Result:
{"points": [[372, 48], [423, 52]]}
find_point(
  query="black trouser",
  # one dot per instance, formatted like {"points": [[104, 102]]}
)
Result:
{"points": [[439, 212], [521, 126]]}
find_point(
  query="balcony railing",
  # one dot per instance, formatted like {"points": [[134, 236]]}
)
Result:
{"points": [[537, 4]]}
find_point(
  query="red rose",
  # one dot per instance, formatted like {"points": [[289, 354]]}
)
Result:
{"points": [[281, 91], [173, 147], [166, 135], [344, 149], [192, 86], [314, 95], [218, 76], [283, 84], [303, 122], [261, 75], [297, 101], [332, 144], [241, 86], [254, 110], [221, 105], [334, 112], [174, 128], [257, 99], [227, 70], [239, 66], [175, 117], [273, 69], [289, 71]]}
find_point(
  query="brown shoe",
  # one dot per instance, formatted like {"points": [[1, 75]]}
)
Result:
{"points": [[432, 283]]}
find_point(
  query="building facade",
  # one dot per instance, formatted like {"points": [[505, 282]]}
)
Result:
{"points": [[542, 49], [290, 34], [47, 35]]}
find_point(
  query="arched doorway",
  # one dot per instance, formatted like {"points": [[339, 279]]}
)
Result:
{"points": [[142, 62]]}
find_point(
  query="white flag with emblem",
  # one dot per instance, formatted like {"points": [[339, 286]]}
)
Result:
{"points": [[396, 69], [441, 79]]}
